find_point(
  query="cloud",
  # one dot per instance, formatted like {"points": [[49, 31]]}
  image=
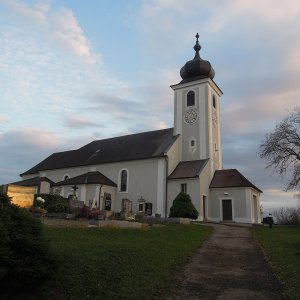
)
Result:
{"points": [[37, 12], [68, 31], [29, 138], [21, 148], [3, 119], [61, 25], [78, 122], [275, 198]]}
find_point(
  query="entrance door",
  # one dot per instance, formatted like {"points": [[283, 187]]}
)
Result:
{"points": [[204, 208], [227, 210]]}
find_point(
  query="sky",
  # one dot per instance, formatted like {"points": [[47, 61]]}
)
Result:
{"points": [[77, 71]]}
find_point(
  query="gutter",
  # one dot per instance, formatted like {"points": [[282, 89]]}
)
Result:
{"points": [[101, 185], [166, 200]]}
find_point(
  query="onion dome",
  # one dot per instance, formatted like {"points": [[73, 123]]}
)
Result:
{"points": [[197, 68]]}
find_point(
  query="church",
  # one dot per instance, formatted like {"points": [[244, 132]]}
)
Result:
{"points": [[143, 173]]}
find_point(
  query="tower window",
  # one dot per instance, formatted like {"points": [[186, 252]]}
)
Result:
{"points": [[183, 188], [190, 99], [192, 145], [214, 101]]}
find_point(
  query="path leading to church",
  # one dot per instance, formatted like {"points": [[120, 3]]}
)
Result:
{"points": [[230, 265]]}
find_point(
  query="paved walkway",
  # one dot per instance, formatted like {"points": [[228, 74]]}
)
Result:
{"points": [[230, 265]]}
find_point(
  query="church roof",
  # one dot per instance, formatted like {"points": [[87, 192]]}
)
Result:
{"points": [[144, 145], [231, 178], [35, 181], [88, 178], [188, 169]]}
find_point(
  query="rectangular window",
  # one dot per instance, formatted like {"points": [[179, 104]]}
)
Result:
{"points": [[141, 207], [183, 188]]}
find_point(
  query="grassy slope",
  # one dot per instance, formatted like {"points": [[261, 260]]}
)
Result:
{"points": [[118, 263], [282, 246]]}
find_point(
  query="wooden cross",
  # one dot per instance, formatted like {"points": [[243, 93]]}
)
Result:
{"points": [[75, 187]]}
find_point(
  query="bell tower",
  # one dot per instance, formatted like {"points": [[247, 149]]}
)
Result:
{"points": [[197, 111]]}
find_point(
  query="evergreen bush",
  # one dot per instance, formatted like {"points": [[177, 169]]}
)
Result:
{"points": [[183, 207], [25, 259], [53, 203]]}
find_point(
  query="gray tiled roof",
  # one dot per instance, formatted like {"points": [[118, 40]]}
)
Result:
{"points": [[231, 178], [88, 178], [35, 181], [188, 169], [124, 148]]}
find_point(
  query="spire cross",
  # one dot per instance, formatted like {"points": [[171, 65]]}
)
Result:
{"points": [[197, 47]]}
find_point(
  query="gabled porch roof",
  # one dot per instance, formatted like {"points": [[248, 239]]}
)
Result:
{"points": [[188, 169], [88, 178], [35, 181], [231, 178]]}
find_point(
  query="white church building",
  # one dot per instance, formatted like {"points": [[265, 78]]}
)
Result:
{"points": [[144, 172]]}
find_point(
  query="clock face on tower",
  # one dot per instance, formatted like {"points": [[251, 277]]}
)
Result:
{"points": [[190, 116]]}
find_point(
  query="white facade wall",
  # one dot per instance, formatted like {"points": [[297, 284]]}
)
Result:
{"points": [[146, 178], [205, 179], [174, 155]]}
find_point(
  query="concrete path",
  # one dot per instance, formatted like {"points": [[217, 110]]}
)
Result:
{"points": [[230, 265]]}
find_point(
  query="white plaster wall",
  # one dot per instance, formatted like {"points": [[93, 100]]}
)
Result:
{"points": [[174, 155], [91, 193], [143, 176], [45, 187], [29, 176], [257, 194], [205, 179], [58, 175], [214, 129], [143, 181]]}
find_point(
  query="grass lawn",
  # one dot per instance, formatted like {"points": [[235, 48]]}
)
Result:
{"points": [[118, 263], [281, 245]]}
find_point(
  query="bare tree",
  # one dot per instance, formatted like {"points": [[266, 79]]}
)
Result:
{"points": [[281, 148]]}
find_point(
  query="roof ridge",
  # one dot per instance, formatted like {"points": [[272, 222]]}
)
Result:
{"points": [[126, 135]]}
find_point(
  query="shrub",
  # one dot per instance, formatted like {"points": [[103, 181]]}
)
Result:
{"points": [[92, 213], [25, 260], [183, 207], [287, 216], [4, 199], [53, 203]]}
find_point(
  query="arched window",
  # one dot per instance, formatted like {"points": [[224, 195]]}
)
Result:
{"points": [[214, 101], [66, 177], [190, 99], [192, 145], [123, 182]]}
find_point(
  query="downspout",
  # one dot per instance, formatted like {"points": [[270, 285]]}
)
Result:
{"points": [[166, 201], [101, 185]]}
